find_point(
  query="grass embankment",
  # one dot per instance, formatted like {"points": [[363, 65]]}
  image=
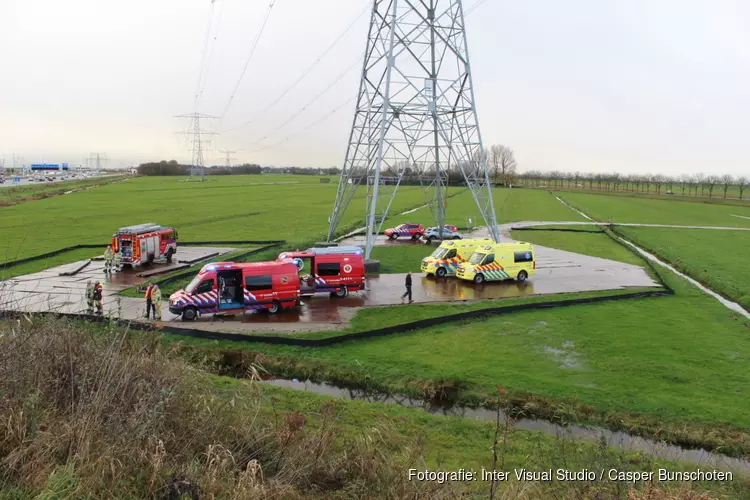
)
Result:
{"points": [[673, 366], [718, 259], [93, 412], [648, 211], [21, 194], [731, 199]]}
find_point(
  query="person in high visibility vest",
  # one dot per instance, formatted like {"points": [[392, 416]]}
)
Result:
{"points": [[118, 260], [108, 260], [149, 302], [89, 297], [98, 295], [156, 302]]}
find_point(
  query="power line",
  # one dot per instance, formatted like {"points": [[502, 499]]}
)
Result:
{"points": [[322, 118], [330, 113], [249, 57], [309, 103], [308, 70], [199, 87]]}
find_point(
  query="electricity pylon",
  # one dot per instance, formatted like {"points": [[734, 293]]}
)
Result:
{"points": [[416, 110], [229, 158], [195, 134]]}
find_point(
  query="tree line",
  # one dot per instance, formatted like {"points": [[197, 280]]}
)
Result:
{"points": [[698, 184], [172, 167]]}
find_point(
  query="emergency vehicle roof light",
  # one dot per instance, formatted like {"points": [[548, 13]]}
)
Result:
{"points": [[336, 250]]}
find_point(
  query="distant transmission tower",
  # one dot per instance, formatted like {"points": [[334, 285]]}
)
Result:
{"points": [[228, 158], [196, 134], [97, 158], [415, 110]]}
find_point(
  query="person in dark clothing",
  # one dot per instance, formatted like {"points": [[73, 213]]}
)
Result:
{"points": [[408, 288]]}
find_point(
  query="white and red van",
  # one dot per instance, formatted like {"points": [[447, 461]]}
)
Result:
{"points": [[229, 287], [334, 270]]}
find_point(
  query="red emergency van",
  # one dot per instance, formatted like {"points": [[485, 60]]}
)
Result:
{"points": [[335, 270], [228, 287], [145, 243]]}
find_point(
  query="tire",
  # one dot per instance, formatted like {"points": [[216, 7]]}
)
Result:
{"points": [[456, 237], [342, 292], [430, 238], [522, 276], [417, 236], [189, 314], [479, 279], [441, 272], [275, 307], [393, 236]]}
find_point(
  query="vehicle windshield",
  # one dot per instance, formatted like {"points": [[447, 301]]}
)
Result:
{"points": [[439, 253], [477, 258], [191, 286], [401, 226]]}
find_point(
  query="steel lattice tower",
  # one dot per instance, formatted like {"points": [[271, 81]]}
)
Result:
{"points": [[415, 109], [196, 134]]}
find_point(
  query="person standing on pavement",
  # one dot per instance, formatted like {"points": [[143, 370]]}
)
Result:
{"points": [[118, 260], [149, 302], [156, 302], [108, 260], [89, 297], [98, 296], [408, 288]]}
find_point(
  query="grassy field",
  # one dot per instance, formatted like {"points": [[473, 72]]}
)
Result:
{"points": [[151, 422], [674, 361], [649, 211], [719, 260], [596, 245]]}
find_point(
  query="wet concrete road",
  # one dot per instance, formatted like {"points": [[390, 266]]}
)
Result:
{"points": [[557, 272]]}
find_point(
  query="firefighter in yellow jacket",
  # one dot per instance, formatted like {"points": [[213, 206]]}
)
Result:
{"points": [[156, 301], [108, 255]]}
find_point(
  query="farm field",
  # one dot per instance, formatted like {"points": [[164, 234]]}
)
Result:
{"points": [[675, 361], [648, 211], [17, 194], [720, 261]]}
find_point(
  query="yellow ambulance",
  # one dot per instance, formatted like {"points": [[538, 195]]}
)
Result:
{"points": [[499, 261], [444, 261]]}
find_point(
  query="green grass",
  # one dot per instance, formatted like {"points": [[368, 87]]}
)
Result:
{"points": [[675, 360], [57, 260], [401, 258], [718, 259], [596, 245], [649, 211]]}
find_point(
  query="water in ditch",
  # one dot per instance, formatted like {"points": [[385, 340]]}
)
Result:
{"points": [[616, 439]]}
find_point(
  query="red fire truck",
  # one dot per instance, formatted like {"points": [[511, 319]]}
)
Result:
{"points": [[228, 287], [335, 270], [143, 244]]}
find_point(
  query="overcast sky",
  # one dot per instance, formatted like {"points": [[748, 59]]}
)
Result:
{"points": [[629, 86]]}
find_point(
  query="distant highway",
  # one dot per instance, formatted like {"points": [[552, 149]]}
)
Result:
{"points": [[25, 180]]}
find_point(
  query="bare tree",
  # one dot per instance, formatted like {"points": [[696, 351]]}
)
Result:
{"points": [[742, 183], [685, 181], [502, 163], [494, 160], [700, 179], [712, 181], [726, 181]]}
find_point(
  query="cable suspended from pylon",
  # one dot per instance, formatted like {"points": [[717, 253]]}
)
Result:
{"points": [[207, 37]]}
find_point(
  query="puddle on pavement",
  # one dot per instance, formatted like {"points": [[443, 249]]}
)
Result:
{"points": [[616, 439]]}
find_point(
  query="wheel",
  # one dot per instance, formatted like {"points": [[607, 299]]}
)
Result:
{"points": [[393, 236], [342, 292], [417, 236], [522, 276], [189, 314], [440, 272], [479, 278], [456, 237], [275, 308], [430, 238]]}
